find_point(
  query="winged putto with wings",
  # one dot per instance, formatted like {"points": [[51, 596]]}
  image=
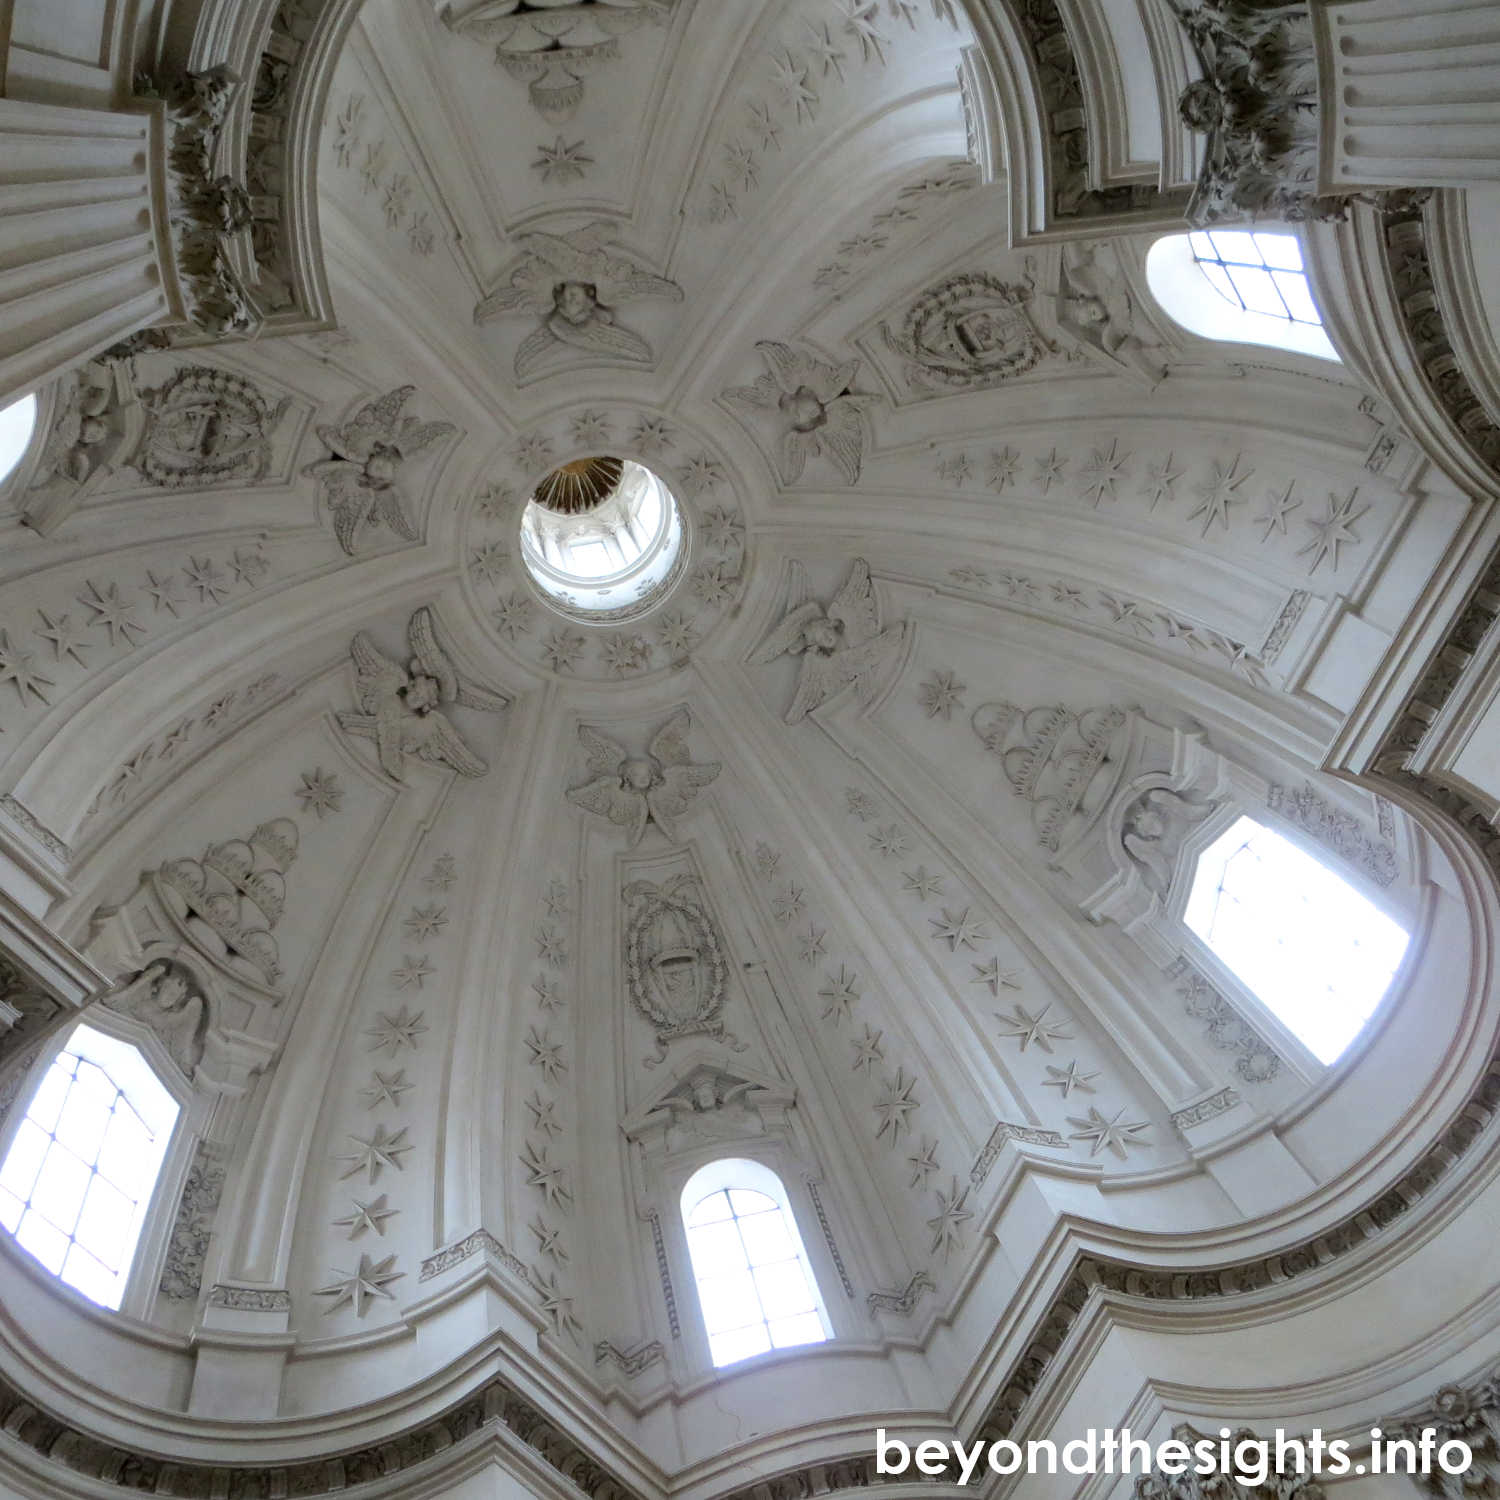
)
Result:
{"points": [[574, 284], [400, 707], [632, 790], [839, 645], [368, 451], [820, 410]]}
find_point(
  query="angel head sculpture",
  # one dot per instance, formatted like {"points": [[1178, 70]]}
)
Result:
{"points": [[573, 283], [840, 645], [633, 790], [1153, 829], [368, 452], [821, 412], [400, 706]]}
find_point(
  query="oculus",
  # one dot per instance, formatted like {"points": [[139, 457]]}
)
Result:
{"points": [[602, 538]]}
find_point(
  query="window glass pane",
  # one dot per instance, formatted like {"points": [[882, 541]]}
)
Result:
{"points": [[1293, 287], [60, 1187], [17, 423], [1203, 247], [25, 1159], [1257, 291], [49, 1245], [104, 1221], [83, 1160], [1317, 952], [783, 1289], [745, 1203], [1280, 251], [715, 1206], [1232, 244], [766, 1238], [729, 1348], [738, 1226], [728, 1301], [48, 1100], [805, 1328], [716, 1248], [1219, 279]]}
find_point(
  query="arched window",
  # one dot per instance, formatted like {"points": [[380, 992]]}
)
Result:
{"points": [[1315, 951], [17, 423], [755, 1286], [77, 1180], [1245, 286]]}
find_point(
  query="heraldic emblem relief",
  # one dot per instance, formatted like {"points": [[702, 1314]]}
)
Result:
{"points": [[966, 333], [675, 965]]}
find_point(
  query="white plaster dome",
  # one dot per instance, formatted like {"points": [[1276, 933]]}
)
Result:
{"points": [[706, 655]]}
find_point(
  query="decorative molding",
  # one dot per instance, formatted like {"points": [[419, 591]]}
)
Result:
{"points": [[1027, 1135], [1467, 1413], [1471, 1122], [481, 1242], [1335, 829], [904, 1302], [1205, 1109], [828, 1239], [664, 1272], [1284, 624], [633, 1360], [1226, 1028], [182, 1271], [33, 827], [1404, 233], [250, 1298]]}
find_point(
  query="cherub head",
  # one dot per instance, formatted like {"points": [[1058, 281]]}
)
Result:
{"points": [[639, 773], [381, 466], [824, 635], [705, 1097], [577, 302], [422, 693], [171, 991], [804, 409]]}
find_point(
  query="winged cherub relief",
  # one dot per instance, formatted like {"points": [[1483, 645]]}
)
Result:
{"points": [[369, 450], [821, 411], [632, 790], [839, 645], [400, 707], [574, 284]]}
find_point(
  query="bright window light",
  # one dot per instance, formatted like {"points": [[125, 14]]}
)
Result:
{"points": [[1243, 286], [754, 1285], [1316, 952], [80, 1170], [17, 423]]}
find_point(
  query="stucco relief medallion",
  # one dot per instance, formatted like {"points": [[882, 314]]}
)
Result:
{"points": [[206, 426], [968, 332], [674, 961]]}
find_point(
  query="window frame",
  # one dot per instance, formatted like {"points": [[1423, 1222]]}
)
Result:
{"points": [[159, 1215], [743, 1164], [1185, 293], [1294, 1052]]}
